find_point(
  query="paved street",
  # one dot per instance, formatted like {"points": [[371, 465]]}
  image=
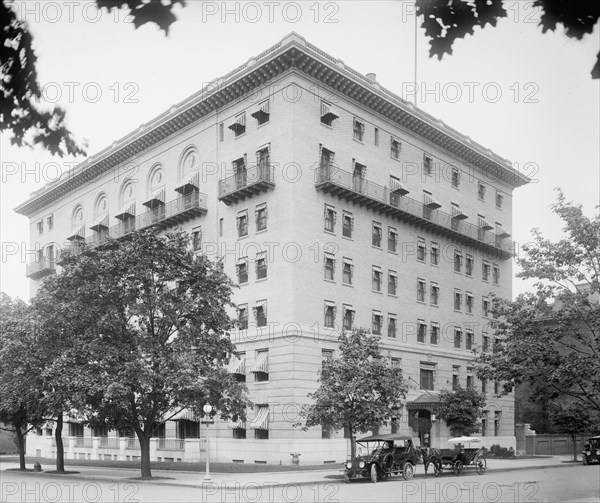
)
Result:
{"points": [[550, 483]]}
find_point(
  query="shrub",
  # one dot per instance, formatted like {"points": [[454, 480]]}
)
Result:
{"points": [[498, 451]]}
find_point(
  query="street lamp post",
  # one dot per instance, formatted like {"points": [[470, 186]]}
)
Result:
{"points": [[207, 410]]}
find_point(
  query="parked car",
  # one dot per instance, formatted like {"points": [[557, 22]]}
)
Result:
{"points": [[591, 450], [383, 456]]}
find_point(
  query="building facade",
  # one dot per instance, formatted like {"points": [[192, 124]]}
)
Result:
{"points": [[335, 204]]}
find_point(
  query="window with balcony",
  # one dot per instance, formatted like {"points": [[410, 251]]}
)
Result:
{"points": [[242, 319], [427, 376], [376, 234], [240, 171], [376, 279], [347, 224], [434, 335], [469, 339], [429, 204], [261, 265], [329, 266], [238, 126], [197, 238], [392, 239], [328, 114], [348, 271], [457, 337], [260, 313], [421, 290], [377, 322], [392, 326], [261, 217], [481, 189], [326, 161], [358, 129], [392, 283], [427, 164], [421, 250], [485, 270], [457, 300], [395, 147], [330, 218], [469, 265], [242, 270], [421, 331], [458, 259], [434, 254], [469, 302], [348, 317], [329, 314], [482, 227], [359, 171], [263, 162], [434, 294], [242, 223]]}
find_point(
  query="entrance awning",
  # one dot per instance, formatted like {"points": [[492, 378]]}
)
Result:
{"points": [[425, 401]]}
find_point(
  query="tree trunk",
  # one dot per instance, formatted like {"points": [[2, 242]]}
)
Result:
{"points": [[60, 451], [574, 439], [352, 442], [145, 455], [21, 446]]}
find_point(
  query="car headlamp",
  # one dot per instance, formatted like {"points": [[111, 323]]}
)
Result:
{"points": [[361, 464], [349, 465]]}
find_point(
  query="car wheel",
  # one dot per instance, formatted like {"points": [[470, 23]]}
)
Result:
{"points": [[374, 473], [347, 476], [388, 463], [457, 467], [408, 471], [480, 465]]}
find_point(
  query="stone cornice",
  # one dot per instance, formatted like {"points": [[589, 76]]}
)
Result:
{"points": [[291, 52]]}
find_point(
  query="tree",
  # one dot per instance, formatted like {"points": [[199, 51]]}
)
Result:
{"points": [[358, 391], [20, 112], [570, 419], [461, 410], [20, 389], [550, 339], [445, 21], [152, 319]]}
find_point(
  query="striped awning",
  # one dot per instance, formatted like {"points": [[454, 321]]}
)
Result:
{"points": [[78, 233], [185, 415], [484, 224], [239, 425], [261, 110], [430, 202], [328, 112], [261, 364], [240, 122], [458, 214], [157, 198], [238, 366], [501, 233], [261, 421], [190, 182], [100, 223], [397, 187], [126, 212]]}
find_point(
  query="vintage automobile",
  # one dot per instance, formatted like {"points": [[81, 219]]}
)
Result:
{"points": [[591, 450], [456, 459], [380, 456]]}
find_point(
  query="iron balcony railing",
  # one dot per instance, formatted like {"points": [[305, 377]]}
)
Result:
{"points": [[109, 443], [83, 442], [383, 199], [40, 268], [246, 183], [164, 215], [171, 444]]}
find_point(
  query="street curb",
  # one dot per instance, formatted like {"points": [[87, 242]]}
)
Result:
{"points": [[238, 485]]}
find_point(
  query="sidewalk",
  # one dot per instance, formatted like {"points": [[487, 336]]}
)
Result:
{"points": [[239, 480]]}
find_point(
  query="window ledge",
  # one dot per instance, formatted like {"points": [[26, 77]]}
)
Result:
{"points": [[329, 280], [260, 280]]}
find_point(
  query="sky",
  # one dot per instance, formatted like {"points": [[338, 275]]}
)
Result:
{"points": [[525, 95]]}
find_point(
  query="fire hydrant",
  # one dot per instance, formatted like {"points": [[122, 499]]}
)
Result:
{"points": [[295, 458]]}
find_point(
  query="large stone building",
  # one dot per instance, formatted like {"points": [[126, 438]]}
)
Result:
{"points": [[335, 203]]}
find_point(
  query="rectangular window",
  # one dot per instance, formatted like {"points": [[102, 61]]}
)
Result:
{"points": [[396, 363], [435, 254], [376, 137], [483, 386], [496, 388], [376, 235], [485, 307], [470, 300], [221, 129], [457, 300], [242, 316], [469, 339], [376, 281], [40, 227], [427, 372], [457, 337], [263, 162], [455, 177], [358, 129], [458, 261], [421, 290], [242, 270], [330, 218], [427, 205], [485, 343], [485, 271], [326, 161], [435, 333], [197, 238], [261, 433], [392, 239], [238, 126], [499, 200], [348, 320], [455, 377], [497, 415], [395, 147], [427, 164], [482, 227], [496, 274], [347, 224], [348, 270], [481, 191], [469, 377], [469, 265], [261, 265], [392, 283], [392, 326], [329, 314], [328, 114], [50, 222], [220, 227], [329, 264], [242, 223], [434, 296], [421, 331], [377, 322], [261, 217], [358, 176], [260, 313], [421, 250]]}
